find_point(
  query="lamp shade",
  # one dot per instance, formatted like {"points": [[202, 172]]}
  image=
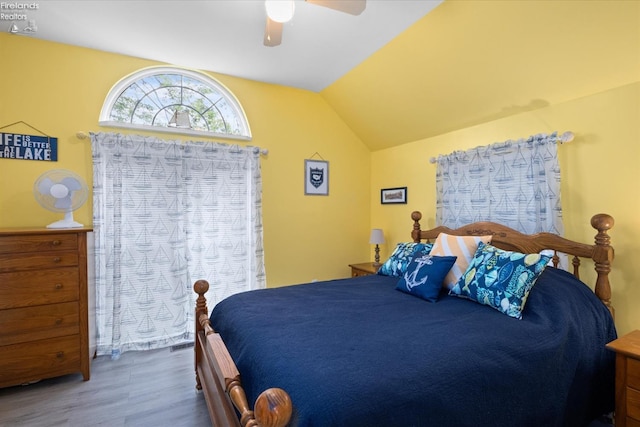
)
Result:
{"points": [[377, 237]]}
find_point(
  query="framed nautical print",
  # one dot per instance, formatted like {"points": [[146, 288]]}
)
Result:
{"points": [[393, 195], [316, 177]]}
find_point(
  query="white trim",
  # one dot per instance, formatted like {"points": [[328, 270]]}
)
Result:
{"points": [[177, 131], [125, 82]]}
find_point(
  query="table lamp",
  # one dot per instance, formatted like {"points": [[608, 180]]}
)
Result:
{"points": [[377, 238]]}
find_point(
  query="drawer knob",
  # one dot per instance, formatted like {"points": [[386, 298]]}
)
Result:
{"points": [[60, 354], [56, 243], [58, 321], [57, 259], [58, 286]]}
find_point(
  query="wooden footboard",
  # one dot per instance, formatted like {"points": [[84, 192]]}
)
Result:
{"points": [[219, 379]]}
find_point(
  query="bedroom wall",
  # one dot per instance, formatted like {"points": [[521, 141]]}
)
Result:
{"points": [[60, 89], [599, 174]]}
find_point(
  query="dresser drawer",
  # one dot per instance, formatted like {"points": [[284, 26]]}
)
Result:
{"points": [[633, 373], [38, 242], [633, 403], [21, 363], [40, 322], [37, 261], [632, 423], [26, 288]]}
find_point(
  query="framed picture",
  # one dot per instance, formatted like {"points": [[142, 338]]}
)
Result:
{"points": [[393, 195], [316, 177]]}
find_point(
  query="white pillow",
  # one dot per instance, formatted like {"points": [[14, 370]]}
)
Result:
{"points": [[463, 247]]}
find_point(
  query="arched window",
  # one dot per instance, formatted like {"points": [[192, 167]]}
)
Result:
{"points": [[176, 100]]}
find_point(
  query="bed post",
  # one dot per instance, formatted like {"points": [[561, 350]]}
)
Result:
{"points": [[201, 287], [603, 255], [416, 216], [221, 379]]}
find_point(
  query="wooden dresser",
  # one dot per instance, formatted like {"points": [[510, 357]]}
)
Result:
{"points": [[627, 350], [43, 304]]}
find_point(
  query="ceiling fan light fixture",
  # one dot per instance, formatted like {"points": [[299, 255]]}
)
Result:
{"points": [[280, 10]]}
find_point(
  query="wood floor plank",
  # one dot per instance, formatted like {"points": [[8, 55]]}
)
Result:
{"points": [[146, 388]]}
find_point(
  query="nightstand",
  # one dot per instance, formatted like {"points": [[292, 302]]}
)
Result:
{"points": [[364, 269], [627, 350]]}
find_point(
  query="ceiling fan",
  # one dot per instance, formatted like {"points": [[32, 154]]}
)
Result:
{"points": [[281, 11]]}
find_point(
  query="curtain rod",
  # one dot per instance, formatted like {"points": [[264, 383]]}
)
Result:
{"points": [[565, 137], [84, 135]]}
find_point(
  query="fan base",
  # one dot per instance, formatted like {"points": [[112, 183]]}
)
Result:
{"points": [[65, 223]]}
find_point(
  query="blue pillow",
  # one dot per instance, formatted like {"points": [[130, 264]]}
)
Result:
{"points": [[397, 263], [424, 276], [500, 279]]}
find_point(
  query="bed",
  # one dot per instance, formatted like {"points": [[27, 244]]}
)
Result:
{"points": [[356, 352]]}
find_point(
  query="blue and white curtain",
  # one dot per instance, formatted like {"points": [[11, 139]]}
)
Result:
{"points": [[516, 183], [165, 214]]}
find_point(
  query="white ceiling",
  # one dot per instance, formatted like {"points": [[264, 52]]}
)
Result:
{"points": [[225, 36]]}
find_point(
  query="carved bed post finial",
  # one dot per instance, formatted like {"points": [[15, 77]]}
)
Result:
{"points": [[603, 255], [273, 408], [200, 287], [416, 216]]}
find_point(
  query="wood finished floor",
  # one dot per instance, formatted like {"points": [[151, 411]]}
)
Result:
{"points": [[148, 388], [152, 388]]}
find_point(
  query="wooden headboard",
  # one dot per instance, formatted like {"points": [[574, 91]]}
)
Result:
{"points": [[601, 252]]}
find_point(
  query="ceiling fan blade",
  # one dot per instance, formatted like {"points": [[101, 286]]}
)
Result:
{"points": [[352, 7], [272, 33]]}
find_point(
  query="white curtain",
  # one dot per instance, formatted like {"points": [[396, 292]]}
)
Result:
{"points": [[165, 214], [516, 183]]}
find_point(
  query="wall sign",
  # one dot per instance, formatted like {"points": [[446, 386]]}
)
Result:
{"points": [[28, 147], [316, 177]]}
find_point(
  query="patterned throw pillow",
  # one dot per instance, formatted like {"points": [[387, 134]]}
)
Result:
{"points": [[501, 279], [463, 247], [424, 276], [397, 263]]}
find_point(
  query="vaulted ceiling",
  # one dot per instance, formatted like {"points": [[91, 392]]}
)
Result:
{"points": [[400, 72], [471, 62]]}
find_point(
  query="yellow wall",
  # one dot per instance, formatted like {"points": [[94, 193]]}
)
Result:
{"points": [[60, 90], [600, 173]]}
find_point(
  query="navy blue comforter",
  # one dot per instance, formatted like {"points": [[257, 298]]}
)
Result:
{"points": [[357, 352]]}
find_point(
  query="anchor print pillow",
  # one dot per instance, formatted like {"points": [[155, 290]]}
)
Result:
{"points": [[397, 263], [424, 276]]}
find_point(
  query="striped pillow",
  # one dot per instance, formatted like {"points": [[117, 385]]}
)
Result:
{"points": [[463, 247]]}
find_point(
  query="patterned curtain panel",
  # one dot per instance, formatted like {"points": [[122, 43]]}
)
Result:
{"points": [[516, 183], [165, 214]]}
